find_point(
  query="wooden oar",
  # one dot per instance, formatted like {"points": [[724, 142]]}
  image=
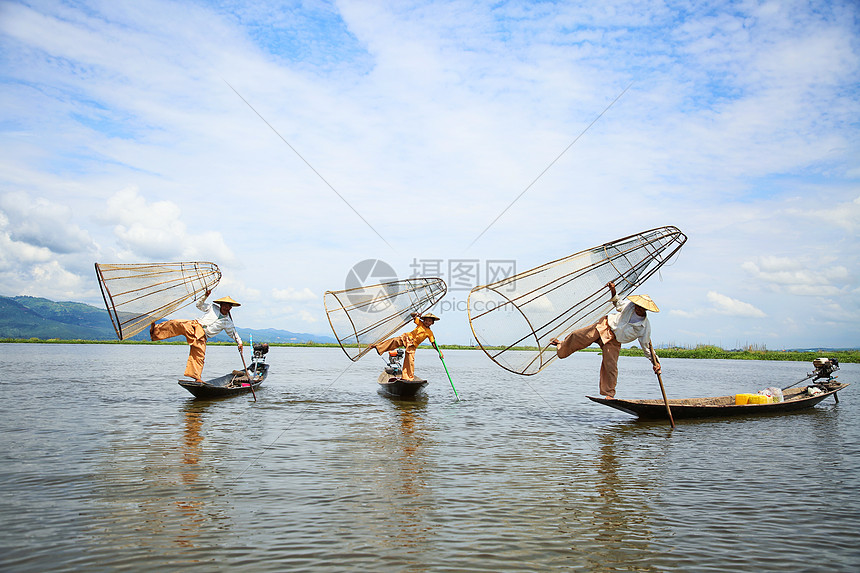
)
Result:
{"points": [[446, 371], [655, 361], [248, 374]]}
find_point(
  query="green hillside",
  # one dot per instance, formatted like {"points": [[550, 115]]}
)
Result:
{"points": [[74, 313], [33, 317], [25, 317]]}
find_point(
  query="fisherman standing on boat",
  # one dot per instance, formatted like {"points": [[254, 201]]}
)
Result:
{"points": [[196, 332], [411, 340], [610, 332]]}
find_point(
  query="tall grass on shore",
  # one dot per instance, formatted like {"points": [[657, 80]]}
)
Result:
{"points": [[749, 353]]}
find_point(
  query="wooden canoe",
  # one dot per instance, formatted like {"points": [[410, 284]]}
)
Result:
{"points": [[228, 385], [793, 399], [399, 388]]}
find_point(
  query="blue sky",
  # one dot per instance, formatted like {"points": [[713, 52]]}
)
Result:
{"points": [[121, 141]]}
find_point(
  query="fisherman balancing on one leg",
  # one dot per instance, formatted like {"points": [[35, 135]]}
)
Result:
{"points": [[610, 332], [216, 318], [411, 340]]}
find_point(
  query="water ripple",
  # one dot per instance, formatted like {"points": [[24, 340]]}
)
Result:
{"points": [[323, 473]]}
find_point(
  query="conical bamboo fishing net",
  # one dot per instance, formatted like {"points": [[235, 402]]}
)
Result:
{"points": [[514, 319], [140, 293], [363, 316]]}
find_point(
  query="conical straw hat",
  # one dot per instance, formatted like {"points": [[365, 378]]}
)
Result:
{"points": [[430, 315], [644, 301], [228, 300]]}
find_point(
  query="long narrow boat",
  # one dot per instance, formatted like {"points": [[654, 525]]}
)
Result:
{"points": [[237, 382], [390, 381], [789, 399], [794, 399], [398, 387]]}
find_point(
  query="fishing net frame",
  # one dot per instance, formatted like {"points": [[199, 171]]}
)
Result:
{"points": [[138, 294], [628, 262], [357, 331]]}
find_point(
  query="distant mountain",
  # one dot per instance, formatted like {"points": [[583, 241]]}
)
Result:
{"points": [[275, 335], [33, 317], [822, 349]]}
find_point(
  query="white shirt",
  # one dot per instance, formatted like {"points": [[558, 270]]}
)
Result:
{"points": [[214, 322], [628, 326]]}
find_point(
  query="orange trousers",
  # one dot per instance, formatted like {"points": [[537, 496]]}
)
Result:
{"points": [[600, 333], [196, 337], [404, 340]]}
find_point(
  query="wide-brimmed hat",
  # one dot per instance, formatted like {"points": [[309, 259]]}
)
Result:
{"points": [[644, 301], [430, 315], [228, 300]]}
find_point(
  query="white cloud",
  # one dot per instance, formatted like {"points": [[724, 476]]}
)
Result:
{"points": [[798, 277], [292, 294], [156, 230], [13, 252], [845, 215], [59, 278], [722, 305], [308, 317], [687, 313], [430, 118], [42, 223], [733, 307], [236, 286], [42, 251]]}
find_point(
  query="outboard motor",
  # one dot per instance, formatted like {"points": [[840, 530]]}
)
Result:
{"points": [[825, 367], [393, 368], [258, 360]]}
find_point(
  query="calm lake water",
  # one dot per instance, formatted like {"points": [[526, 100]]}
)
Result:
{"points": [[107, 463]]}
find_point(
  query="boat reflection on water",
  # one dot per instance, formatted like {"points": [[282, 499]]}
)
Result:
{"points": [[384, 461], [406, 478], [622, 515], [190, 508], [164, 476], [191, 440], [411, 459]]}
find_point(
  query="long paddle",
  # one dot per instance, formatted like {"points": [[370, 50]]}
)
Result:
{"points": [[446, 371], [248, 374], [655, 361]]}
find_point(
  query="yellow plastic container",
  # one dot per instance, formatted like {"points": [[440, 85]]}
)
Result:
{"points": [[760, 399], [741, 399]]}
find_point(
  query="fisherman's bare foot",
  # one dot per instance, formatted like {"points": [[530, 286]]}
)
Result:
{"points": [[554, 342], [152, 331]]}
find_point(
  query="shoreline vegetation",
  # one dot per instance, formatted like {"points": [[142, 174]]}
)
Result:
{"points": [[700, 351]]}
